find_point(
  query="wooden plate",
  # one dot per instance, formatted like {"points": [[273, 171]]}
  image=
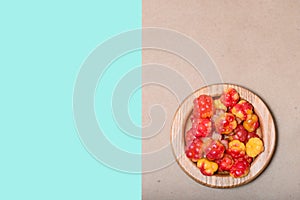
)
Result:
{"points": [[181, 123]]}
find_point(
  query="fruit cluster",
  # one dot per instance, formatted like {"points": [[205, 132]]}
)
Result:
{"points": [[223, 136]]}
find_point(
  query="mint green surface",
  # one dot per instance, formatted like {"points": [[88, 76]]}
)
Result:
{"points": [[116, 134], [42, 46]]}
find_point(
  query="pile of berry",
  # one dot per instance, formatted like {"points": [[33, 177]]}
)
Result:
{"points": [[223, 138]]}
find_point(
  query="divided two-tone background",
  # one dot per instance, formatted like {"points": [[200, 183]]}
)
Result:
{"points": [[44, 48]]}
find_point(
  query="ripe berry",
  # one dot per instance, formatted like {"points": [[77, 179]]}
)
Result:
{"points": [[236, 149], [225, 163], [215, 151], [240, 133], [251, 123], [194, 151], [242, 109], [203, 106], [240, 168], [201, 127], [207, 167], [254, 147], [225, 123], [230, 97]]}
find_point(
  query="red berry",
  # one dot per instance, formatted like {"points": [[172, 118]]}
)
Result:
{"points": [[230, 97], [235, 153], [240, 168], [225, 163], [242, 109], [225, 123], [240, 133], [215, 151], [189, 153], [194, 151], [236, 149], [201, 127], [203, 106]]}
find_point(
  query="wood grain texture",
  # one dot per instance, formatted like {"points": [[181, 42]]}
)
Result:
{"points": [[181, 124]]}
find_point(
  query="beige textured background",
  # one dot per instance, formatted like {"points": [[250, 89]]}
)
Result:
{"points": [[254, 44]]}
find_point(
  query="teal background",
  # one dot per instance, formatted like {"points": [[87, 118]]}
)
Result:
{"points": [[42, 45], [120, 67]]}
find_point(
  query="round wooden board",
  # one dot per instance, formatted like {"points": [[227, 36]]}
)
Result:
{"points": [[181, 123]]}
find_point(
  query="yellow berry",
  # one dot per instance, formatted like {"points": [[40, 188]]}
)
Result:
{"points": [[254, 147], [236, 145]]}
